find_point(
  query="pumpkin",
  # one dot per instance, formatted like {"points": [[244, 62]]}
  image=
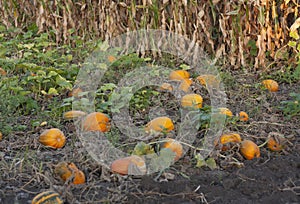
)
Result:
{"points": [[191, 101], [160, 124], [66, 170], [53, 137], [96, 121], [274, 144], [230, 137], [175, 146], [185, 84], [2, 72], [47, 197], [111, 58], [166, 87], [179, 75], [227, 139], [1, 136], [249, 149], [243, 116], [134, 165], [75, 92], [271, 85], [208, 79], [226, 111], [73, 114]]}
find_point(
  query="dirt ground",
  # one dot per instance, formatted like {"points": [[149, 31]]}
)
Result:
{"points": [[27, 168]]}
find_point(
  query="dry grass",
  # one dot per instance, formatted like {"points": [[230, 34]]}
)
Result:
{"points": [[239, 30]]}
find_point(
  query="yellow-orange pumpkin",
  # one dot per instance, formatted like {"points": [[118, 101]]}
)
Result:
{"points": [[47, 197], [75, 92], [73, 114], [230, 137], [175, 146], [166, 87], [243, 116], [69, 170], [185, 84], [53, 137], [160, 124], [96, 121], [249, 149], [2, 72], [274, 145], [1, 136], [271, 85], [129, 165], [226, 111], [208, 79], [179, 75], [191, 101]]}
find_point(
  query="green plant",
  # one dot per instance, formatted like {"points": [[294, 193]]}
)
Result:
{"points": [[291, 108]]}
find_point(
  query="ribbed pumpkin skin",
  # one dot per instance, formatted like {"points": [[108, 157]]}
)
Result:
{"points": [[47, 197], [191, 101], [273, 145], [175, 146], [249, 149], [226, 111], [179, 75], [65, 170], [185, 85], [53, 137], [96, 121], [208, 79], [160, 124], [73, 114], [271, 85], [243, 116], [230, 137], [123, 166]]}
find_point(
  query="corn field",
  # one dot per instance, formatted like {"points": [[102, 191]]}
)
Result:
{"points": [[239, 31]]}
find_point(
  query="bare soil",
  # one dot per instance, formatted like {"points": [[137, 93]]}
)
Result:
{"points": [[26, 168]]}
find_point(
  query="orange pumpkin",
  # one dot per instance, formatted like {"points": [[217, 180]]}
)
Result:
{"points": [[47, 197], [271, 85], [249, 149], [111, 58], [96, 121], [208, 79], [53, 137], [166, 87], [226, 111], [179, 75], [75, 92], [191, 101], [69, 170], [274, 145], [129, 165], [230, 137], [243, 116], [2, 72], [1, 136], [175, 146], [160, 124], [185, 85], [73, 114]]}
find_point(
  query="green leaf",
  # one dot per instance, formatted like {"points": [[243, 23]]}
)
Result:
{"points": [[142, 148], [52, 91], [294, 34], [211, 163], [51, 74], [292, 43], [62, 82], [200, 160]]}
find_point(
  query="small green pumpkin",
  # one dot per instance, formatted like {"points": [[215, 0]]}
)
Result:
{"points": [[47, 197]]}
